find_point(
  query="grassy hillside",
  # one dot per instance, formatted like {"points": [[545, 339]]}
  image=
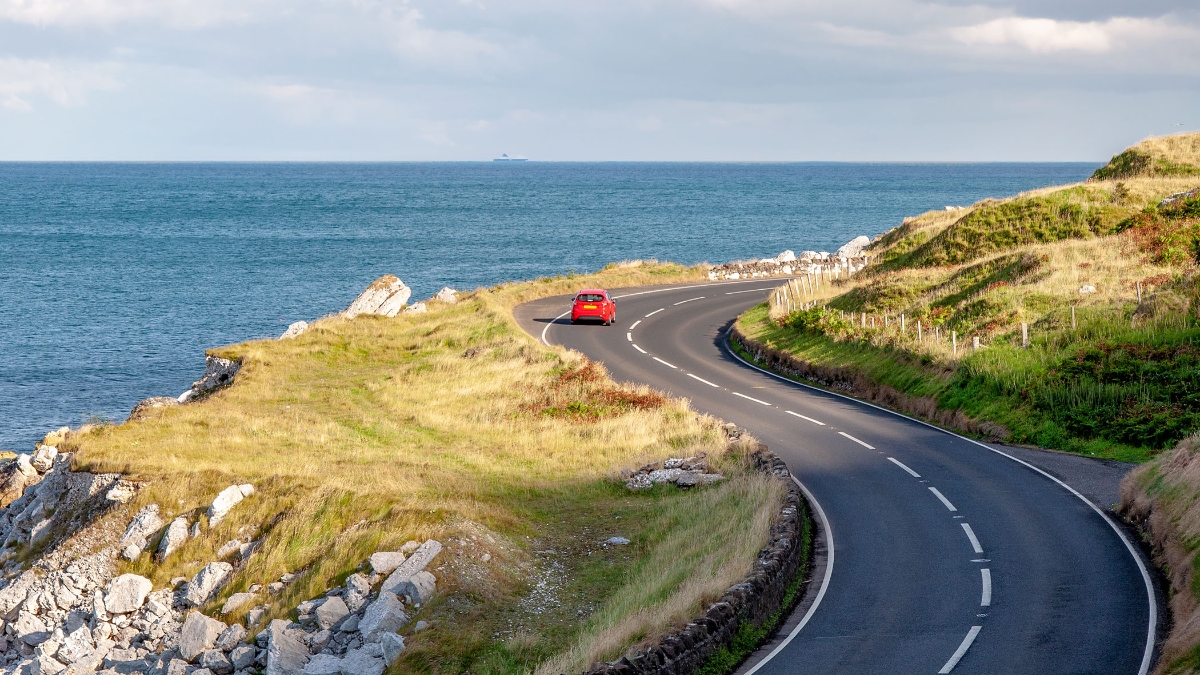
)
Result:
{"points": [[1104, 373], [455, 425]]}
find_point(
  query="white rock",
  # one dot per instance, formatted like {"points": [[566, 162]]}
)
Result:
{"points": [[384, 562], [419, 588], [447, 295], [294, 330], [225, 501], [854, 247], [331, 612], [242, 656], [206, 583], [121, 493], [186, 396], [385, 296], [1087, 289], [175, 536], [809, 255], [286, 655], [617, 541], [216, 661], [421, 557], [785, 257], [359, 662], [43, 459], [392, 645], [323, 664], [418, 308], [664, 475], [126, 593], [46, 665], [199, 634], [385, 615], [30, 629], [230, 637], [140, 529], [235, 601]]}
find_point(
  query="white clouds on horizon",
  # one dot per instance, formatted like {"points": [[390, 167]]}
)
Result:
{"points": [[175, 13], [23, 81], [1049, 35]]}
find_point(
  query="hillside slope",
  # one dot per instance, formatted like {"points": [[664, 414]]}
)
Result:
{"points": [[1102, 274]]}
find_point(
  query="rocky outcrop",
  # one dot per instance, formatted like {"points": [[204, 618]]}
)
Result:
{"points": [[143, 409], [447, 295], [144, 525], [757, 601], [226, 500], [686, 472], [850, 258], [218, 373], [294, 330], [386, 296]]}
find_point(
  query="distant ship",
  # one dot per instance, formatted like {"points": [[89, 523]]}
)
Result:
{"points": [[506, 158]]}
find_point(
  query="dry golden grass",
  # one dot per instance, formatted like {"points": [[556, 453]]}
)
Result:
{"points": [[361, 434], [1181, 148]]}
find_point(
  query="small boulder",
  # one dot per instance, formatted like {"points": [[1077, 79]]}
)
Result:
{"points": [[206, 583], [323, 664], [231, 637], [216, 661], [218, 372], [331, 612], [16, 475], [145, 407], [242, 656], [235, 601], [385, 296], [383, 562], [420, 558], [447, 295], [786, 256], [43, 459], [616, 541], [361, 663], [30, 629], [126, 593], [1087, 289], [199, 634], [417, 308], [385, 615], [140, 529], [173, 538], [286, 655], [419, 588], [392, 645], [854, 247], [294, 330], [225, 501]]}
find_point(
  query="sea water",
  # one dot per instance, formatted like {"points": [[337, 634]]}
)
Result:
{"points": [[114, 278]]}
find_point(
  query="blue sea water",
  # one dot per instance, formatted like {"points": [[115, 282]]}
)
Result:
{"points": [[114, 278]]}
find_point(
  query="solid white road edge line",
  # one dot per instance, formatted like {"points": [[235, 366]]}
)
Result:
{"points": [[803, 417], [749, 398], [664, 363], [824, 582], [634, 324], [942, 497], [986, 600], [962, 649], [653, 313], [1152, 624], [865, 445], [639, 348], [544, 340], [904, 466], [688, 300], [752, 290], [695, 377], [971, 535]]}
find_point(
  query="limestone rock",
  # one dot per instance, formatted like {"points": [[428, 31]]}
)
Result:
{"points": [[199, 634], [785, 257], [216, 661], [384, 562], [173, 538], [358, 589], [417, 308], [385, 615], [226, 500], [286, 655], [385, 296], [616, 541], [206, 583], [43, 459], [242, 656], [393, 645], [323, 664], [16, 475], [44, 664], [218, 372], [447, 295], [418, 588], [360, 662], [694, 478], [1087, 289], [126, 593], [30, 629], [421, 557], [294, 330], [331, 612], [231, 637], [143, 408], [122, 492], [141, 528], [854, 247], [235, 601]]}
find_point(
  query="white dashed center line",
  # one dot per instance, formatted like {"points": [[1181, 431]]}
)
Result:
{"points": [[688, 300], [900, 464], [639, 348], [942, 497], [749, 398], [802, 416], [962, 649], [664, 363], [653, 313], [971, 535], [701, 379], [634, 324], [986, 600], [629, 336], [865, 445]]}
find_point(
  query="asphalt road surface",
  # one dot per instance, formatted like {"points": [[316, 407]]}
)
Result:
{"points": [[938, 554]]}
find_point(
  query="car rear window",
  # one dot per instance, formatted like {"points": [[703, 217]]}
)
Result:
{"points": [[590, 297]]}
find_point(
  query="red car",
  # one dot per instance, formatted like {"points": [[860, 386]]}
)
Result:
{"points": [[594, 303]]}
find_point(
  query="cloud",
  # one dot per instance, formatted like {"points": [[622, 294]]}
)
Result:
{"points": [[23, 81], [452, 49], [306, 105], [179, 13], [1050, 35]]}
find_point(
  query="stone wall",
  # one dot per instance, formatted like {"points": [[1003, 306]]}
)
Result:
{"points": [[755, 600]]}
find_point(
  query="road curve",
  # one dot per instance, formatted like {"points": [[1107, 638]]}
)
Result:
{"points": [[947, 556]]}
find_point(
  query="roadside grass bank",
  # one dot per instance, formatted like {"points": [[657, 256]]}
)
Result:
{"points": [[455, 425], [1064, 317], [1160, 499]]}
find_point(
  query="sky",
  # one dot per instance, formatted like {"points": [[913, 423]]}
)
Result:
{"points": [[582, 80]]}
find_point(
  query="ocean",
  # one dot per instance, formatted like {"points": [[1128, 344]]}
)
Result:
{"points": [[115, 277]]}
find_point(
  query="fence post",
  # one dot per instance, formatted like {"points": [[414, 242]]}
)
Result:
{"points": [[954, 343], [1139, 292], [937, 333], [1024, 335], [1072, 317], [872, 321], [901, 323], [863, 323], [975, 343], [918, 330]]}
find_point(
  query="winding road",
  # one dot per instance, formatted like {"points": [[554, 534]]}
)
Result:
{"points": [[939, 554]]}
